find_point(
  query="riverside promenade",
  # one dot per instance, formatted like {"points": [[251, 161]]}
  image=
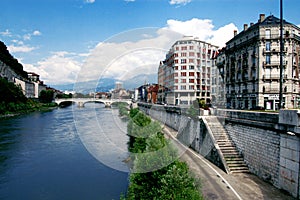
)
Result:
{"points": [[216, 184]]}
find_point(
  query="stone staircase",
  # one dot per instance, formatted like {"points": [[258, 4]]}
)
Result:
{"points": [[232, 157]]}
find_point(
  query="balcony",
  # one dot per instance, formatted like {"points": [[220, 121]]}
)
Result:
{"points": [[273, 77], [274, 64], [275, 50]]}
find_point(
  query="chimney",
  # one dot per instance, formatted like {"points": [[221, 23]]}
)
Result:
{"points": [[261, 17], [251, 24], [234, 33], [245, 27]]}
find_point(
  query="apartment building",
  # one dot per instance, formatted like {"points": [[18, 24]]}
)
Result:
{"points": [[185, 74], [251, 65]]}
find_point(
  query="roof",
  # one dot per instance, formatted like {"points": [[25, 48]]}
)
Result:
{"points": [[268, 21]]}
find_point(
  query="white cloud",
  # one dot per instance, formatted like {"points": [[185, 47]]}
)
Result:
{"points": [[29, 35], [59, 68], [20, 48], [128, 54], [179, 2], [6, 33], [204, 30], [36, 33], [89, 1]]}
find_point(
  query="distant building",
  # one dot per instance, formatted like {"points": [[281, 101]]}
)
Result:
{"points": [[152, 91], [185, 74], [251, 65], [118, 85]]}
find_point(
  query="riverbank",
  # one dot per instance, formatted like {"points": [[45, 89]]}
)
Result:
{"points": [[32, 107]]}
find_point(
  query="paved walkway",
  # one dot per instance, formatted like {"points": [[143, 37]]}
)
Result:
{"points": [[216, 184]]}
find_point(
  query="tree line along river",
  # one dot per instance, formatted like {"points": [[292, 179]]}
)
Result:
{"points": [[67, 153]]}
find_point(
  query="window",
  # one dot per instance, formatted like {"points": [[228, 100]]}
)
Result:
{"points": [[191, 47], [183, 48], [191, 80], [176, 67], [191, 67], [183, 87], [268, 46], [177, 48], [268, 33], [183, 60], [191, 73], [176, 80], [191, 54], [183, 80], [183, 54], [191, 60], [183, 73], [191, 87], [268, 59], [183, 67]]}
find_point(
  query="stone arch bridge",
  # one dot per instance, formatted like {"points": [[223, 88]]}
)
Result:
{"points": [[81, 101]]}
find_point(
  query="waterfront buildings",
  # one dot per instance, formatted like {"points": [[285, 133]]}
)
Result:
{"points": [[251, 65], [185, 74]]}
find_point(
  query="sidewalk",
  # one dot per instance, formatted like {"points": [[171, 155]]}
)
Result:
{"points": [[216, 184]]}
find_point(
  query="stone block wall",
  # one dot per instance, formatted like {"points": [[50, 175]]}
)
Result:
{"points": [[289, 164], [260, 148]]}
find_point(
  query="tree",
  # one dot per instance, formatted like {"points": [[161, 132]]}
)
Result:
{"points": [[46, 96]]}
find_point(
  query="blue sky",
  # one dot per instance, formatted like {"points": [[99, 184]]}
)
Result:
{"points": [[60, 38]]}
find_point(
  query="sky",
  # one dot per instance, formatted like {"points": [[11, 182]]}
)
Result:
{"points": [[69, 41]]}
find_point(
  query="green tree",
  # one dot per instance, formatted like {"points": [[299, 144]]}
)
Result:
{"points": [[46, 96]]}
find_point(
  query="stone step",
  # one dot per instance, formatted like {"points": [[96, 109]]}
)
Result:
{"points": [[240, 159], [241, 170], [227, 148]]}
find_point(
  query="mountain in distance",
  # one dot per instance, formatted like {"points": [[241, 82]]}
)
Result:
{"points": [[107, 84], [139, 80]]}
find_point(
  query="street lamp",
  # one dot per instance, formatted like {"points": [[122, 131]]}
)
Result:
{"points": [[281, 58]]}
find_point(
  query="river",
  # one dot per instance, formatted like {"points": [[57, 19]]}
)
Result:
{"points": [[68, 153]]}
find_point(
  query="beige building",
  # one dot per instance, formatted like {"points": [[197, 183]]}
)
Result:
{"points": [[185, 74], [252, 65]]}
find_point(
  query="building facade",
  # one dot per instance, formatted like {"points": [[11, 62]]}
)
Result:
{"points": [[185, 74], [252, 65]]}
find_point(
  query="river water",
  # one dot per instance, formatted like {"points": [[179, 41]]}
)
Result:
{"points": [[68, 153]]}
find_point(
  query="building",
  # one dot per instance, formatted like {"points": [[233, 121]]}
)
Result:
{"points": [[27, 87], [252, 65], [218, 80], [38, 84], [185, 74]]}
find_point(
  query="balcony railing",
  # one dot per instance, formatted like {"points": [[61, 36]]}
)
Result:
{"points": [[274, 63]]}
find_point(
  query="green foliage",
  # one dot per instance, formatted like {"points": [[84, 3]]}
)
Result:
{"points": [[123, 110], [64, 96], [46, 96], [162, 175], [11, 92]]}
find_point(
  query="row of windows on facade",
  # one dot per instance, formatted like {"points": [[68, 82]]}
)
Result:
{"points": [[192, 67], [198, 61], [204, 75], [203, 81], [191, 87]]}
